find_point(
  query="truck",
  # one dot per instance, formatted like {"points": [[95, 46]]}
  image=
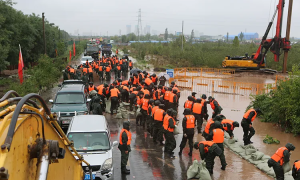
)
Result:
{"points": [[33, 144], [92, 49], [106, 49]]}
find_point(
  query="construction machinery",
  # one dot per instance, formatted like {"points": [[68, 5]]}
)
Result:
{"points": [[33, 146], [275, 45]]}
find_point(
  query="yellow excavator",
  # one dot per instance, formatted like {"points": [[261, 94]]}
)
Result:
{"points": [[246, 62], [33, 146]]}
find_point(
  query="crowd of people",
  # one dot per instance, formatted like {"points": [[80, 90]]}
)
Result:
{"points": [[156, 107]]}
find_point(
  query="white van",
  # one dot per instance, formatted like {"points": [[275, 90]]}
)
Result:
{"points": [[91, 137]]}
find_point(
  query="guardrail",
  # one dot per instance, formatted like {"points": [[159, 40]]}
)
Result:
{"points": [[200, 84], [203, 72]]}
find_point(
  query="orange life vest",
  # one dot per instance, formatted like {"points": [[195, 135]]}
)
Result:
{"points": [[114, 92], [159, 114], [107, 69], [148, 81], [176, 89], [145, 104], [163, 90], [72, 70], [166, 123], [278, 156], [190, 121], [248, 113], [150, 106], [167, 95], [100, 68], [128, 135], [297, 165], [91, 88], [207, 145], [218, 136], [212, 104], [146, 91], [171, 97], [135, 92], [119, 68], [121, 62], [96, 66], [130, 64], [138, 100], [136, 80], [153, 79], [100, 89], [84, 70], [126, 88], [202, 102], [125, 82], [90, 70], [197, 108], [227, 121], [209, 122], [188, 104]]}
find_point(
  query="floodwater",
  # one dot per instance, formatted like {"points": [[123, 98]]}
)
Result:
{"points": [[148, 161]]}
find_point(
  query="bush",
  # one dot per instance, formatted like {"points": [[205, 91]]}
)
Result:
{"points": [[282, 105]]}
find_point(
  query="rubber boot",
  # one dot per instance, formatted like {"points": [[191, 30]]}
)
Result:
{"points": [[180, 152], [191, 152]]}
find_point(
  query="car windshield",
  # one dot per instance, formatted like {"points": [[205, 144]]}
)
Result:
{"points": [[69, 98], [89, 141]]}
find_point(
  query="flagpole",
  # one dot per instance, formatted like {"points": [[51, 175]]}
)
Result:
{"points": [[22, 61]]}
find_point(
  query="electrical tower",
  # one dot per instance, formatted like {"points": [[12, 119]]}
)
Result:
{"points": [[139, 23]]}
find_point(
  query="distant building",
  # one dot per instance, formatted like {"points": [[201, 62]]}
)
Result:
{"points": [[128, 29], [147, 29], [249, 36], [178, 33], [136, 29], [211, 38]]}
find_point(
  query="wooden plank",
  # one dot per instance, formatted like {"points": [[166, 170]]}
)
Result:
{"points": [[223, 86]]}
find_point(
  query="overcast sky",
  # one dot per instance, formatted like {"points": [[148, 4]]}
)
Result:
{"points": [[210, 17]]}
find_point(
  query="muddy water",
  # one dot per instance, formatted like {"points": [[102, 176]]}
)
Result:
{"points": [[147, 160]]}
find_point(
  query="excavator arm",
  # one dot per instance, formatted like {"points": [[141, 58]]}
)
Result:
{"points": [[33, 146], [275, 44]]}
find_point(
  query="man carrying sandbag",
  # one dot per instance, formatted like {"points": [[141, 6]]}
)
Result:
{"points": [[296, 170], [208, 151], [229, 125], [246, 123], [158, 117], [218, 137], [281, 157], [210, 126], [188, 126]]}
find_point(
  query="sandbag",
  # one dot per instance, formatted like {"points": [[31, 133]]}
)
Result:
{"points": [[271, 172], [226, 135], [203, 172], [257, 156], [108, 105], [237, 149], [138, 113], [250, 151], [264, 167], [177, 130], [193, 170], [286, 167], [124, 114], [231, 141], [118, 116], [255, 162], [125, 103]]}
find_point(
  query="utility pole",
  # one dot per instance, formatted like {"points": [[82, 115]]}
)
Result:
{"points": [[287, 37], [43, 19], [227, 36], [182, 38], [139, 24]]}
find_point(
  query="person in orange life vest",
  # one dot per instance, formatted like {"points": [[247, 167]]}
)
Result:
{"points": [[114, 95], [117, 51], [144, 108], [96, 67], [118, 71], [149, 84], [197, 112], [169, 126], [194, 95], [139, 103], [296, 170], [215, 106], [210, 125], [130, 64], [217, 136], [107, 72], [246, 123], [158, 117], [188, 126], [208, 151], [141, 76], [149, 121], [189, 102], [86, 64], [101, 68], [124, 146], [90, 73], [132, 98], [204, 105], [153, 78], [91, 87], [162, 80], [281, 156], [166, 97], [173, 100], [229, 125], [135, 81], [102, 93], [125, 93], [178, 91]]}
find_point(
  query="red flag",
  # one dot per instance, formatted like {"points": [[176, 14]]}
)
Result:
{"points": [[21, 66], [70, 55], [74, 50]]}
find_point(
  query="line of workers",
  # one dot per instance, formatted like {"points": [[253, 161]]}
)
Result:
{"points": [[158, 107]]}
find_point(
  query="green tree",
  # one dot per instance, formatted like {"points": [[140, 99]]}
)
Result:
{"points": [[241, 36], [124, 39], [166, 34], [236, 42]]}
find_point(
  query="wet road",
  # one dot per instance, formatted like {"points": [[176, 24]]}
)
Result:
{"points": [[148, 161]]}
